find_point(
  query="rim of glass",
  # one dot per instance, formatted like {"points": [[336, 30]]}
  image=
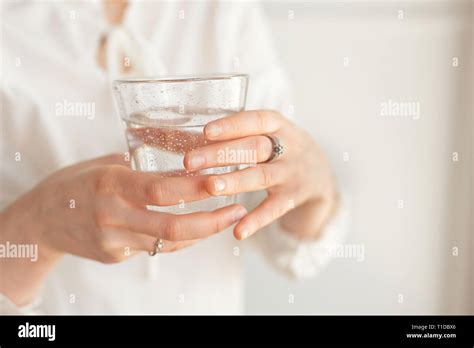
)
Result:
{"points": [[181, 79]]}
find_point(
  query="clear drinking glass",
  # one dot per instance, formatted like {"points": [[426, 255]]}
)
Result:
{"points": [[164, 118]]}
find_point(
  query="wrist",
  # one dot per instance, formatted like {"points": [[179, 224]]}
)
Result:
{"points": [[23, 223], [27, 259], [307, 221]]}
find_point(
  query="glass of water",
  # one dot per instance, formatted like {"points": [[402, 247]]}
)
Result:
{"points": [[165, 117]]}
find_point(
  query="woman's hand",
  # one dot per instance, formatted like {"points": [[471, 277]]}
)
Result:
{"points": [[97, 210], [301, 178]]}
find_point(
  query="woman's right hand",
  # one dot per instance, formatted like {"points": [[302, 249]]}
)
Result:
{"points": [[97, 210]]}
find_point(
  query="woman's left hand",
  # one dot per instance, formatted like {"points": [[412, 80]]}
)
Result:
{"points": [[299, 183]]}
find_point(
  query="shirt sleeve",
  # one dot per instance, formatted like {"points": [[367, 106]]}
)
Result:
{"points": [[302, 258], [13, 177], [7, 307], [245, 45], [270, 88]]}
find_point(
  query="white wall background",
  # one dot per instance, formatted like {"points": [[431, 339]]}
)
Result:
{"points": [[408, 251]]}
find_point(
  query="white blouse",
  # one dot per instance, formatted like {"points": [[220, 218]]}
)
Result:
{"points": [[49, 56]]}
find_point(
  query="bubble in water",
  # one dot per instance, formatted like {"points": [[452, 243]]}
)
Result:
{"points": [[158, 140]]}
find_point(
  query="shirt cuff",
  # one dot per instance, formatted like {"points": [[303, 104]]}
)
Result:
{"points": [[301, 258]]}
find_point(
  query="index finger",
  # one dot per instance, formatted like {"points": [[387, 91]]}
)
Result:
{"points": [[242, 124]]}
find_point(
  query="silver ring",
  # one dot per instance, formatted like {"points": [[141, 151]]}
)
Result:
{"points": [[277, 148], [159, 245]]}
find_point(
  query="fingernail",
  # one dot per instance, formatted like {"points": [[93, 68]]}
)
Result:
{"points": [[244, 233], [213, 130], [219, 185], [240, 213], [196, 161]]}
